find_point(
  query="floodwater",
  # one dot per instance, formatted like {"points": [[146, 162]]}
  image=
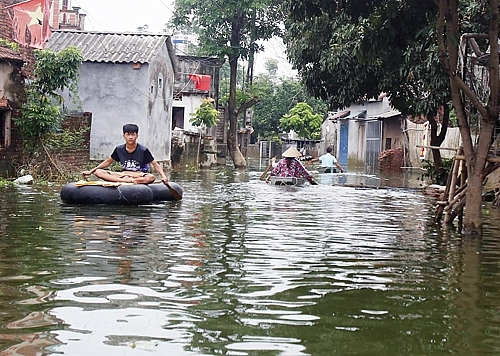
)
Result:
{"points": [[239, 267]]}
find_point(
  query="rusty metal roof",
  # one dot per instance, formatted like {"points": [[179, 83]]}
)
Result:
{"points": [[7, 53], [110, 46]]}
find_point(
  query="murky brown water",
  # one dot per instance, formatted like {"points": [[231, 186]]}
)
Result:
{"points": [[243, 268]]}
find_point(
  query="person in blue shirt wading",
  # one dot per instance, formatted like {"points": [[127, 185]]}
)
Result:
{"points": [[328, 162]]}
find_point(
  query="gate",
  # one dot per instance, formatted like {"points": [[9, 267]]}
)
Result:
{"points": [[373, 135]]}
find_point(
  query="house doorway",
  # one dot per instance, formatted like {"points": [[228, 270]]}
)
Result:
{"points": [[177, 117], [343, 143], [373, 134]]}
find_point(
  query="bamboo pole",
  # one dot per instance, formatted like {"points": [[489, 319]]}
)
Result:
{"points": [[443, 199], [437, 148], [489, 159], [451, 193], [456, 199]]}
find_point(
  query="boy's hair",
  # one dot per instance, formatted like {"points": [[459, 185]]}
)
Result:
{"points": [[329, 150], [130, 128]]}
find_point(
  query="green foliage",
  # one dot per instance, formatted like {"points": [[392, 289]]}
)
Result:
{"points": [[348, 52], [277, 98], [53, 72], [217, 23], [431, 174], [206, 115], [66, 139], [271, 66], [302, 120], [12, 45], [229, 28], [4, 182]]}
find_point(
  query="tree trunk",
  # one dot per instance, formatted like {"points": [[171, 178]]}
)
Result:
{"points": [[437, 140], [232, 137], [475, 154]]}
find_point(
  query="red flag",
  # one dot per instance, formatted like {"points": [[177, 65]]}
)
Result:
{"points": [[201, 82], [31, 15]]}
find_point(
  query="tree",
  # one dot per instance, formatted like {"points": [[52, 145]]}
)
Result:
{"points": [[449, 40], [362, 48], [271, 66], [229, 28], [53, 73], [302, 120], [278, 96], [205, 116]]}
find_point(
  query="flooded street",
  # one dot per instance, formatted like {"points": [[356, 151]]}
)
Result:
{"points": [[239, 267]]}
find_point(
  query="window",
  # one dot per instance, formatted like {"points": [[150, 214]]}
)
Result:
{"points": [[160, 82]]}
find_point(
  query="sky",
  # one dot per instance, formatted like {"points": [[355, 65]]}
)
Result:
{"points": [[128, 15]]}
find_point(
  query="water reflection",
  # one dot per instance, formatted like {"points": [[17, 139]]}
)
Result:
{"points": [[239, 267]]}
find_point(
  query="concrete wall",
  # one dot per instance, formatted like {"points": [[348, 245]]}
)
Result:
{"points": [[11, 85], [12, 88], [121, 93], [392, 130], [159, 110]]}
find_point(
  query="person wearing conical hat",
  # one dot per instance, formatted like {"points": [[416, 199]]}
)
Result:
{"points": [[289, 166]]}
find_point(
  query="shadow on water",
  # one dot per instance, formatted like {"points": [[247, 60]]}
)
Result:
{"points": [[239, 267]]}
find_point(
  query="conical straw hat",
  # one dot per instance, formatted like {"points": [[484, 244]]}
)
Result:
{"points": [[292, 152]]}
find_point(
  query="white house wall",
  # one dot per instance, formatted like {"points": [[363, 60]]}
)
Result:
{"points": [[190, 103], [159, 109], [117, 94]]}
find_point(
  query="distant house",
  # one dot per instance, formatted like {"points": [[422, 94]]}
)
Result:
{"points": [[360, 133], [190, 91], [125, 78]]}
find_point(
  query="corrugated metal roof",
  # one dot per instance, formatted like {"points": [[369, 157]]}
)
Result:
{"points": [[109, 46], [338, 115], [385, 115], [356, 114], [7, 53]]}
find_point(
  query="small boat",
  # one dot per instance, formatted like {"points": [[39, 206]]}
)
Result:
{"points": [[288, 181], [113, 193], [327, 170]]}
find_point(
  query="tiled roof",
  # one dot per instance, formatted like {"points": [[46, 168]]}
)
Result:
{"points": [[7, 53], [110, 46]]}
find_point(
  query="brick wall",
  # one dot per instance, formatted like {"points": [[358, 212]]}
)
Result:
{"points": [[76, 159], [391, 160], [68, 160]]}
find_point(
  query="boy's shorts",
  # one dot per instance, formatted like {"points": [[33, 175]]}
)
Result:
{"points": [[131, 174]]}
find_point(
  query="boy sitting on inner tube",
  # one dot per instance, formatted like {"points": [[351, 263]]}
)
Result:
{"points": [[134, 158]]}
